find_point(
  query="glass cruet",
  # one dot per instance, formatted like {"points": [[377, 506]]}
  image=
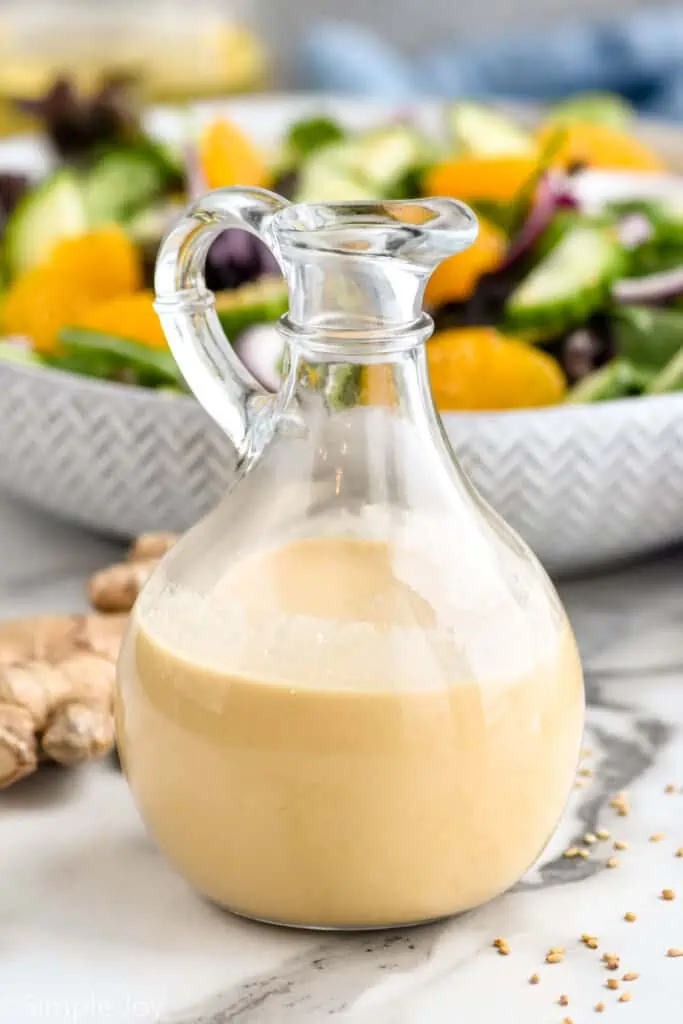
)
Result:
{"points": [[349, 697]]}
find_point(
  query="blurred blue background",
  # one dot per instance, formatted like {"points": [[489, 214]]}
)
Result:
{"points": [[527, 49]]}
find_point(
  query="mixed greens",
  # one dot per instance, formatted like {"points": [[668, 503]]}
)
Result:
{"points": [[573, 291]]}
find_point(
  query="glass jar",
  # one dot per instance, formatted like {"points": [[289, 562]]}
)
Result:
{"points": [[350, 697]]}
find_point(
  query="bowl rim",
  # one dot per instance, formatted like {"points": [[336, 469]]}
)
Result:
{"points": [[576, 413], [184, 116]]}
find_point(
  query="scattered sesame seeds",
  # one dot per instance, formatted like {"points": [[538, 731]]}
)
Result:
{"points": [[625, 997], [620, 804], [563, 1000], [612, 862], [502, 946], [613, 983], [669, 789], [630, 916], [619, 844], [657, 837], [668, 895], [599, 1007], [589, 838], [602, 833], [674, 952], [534, 979], [630, 976], [590, 940], [553, 958], [571, 852]]}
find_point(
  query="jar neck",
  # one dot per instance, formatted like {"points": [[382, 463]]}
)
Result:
{"points": [[330, 371]]}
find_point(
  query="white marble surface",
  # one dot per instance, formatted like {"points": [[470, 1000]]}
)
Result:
{"points": [[94, 927]]}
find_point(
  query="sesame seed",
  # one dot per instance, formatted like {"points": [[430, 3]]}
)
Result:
{"points": [[502, 946], [534, 979], [625, 997], [571, 852], [589, 838], [567, 1020], [620, 804], [592, 943], [657, 837], [679, 852], [673, 952], [612, 862], [619, 844], [586, 772], [553, 958], [556, 949], [602, 833], [612, 983], [668, 894], [563, 1000], [584, 854], [630, 916], [611, 961], [586, 752], [669, 789], [631, 976], [599, 1007]]}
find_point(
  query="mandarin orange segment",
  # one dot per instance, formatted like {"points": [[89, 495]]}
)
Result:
{"points": [[601, 146], [455, 279], [228, 157], [494, 179], [478, 369], [101, 264], [37, 305], [128, 316]]}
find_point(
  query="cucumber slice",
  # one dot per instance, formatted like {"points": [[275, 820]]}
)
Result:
{"points": [[120, 184], [364, 168], [382, 158], [669, 379], [262, 302], [598, 107], [618, 379], [571, 283], [480, 130], [53, 210], [20, 355]]}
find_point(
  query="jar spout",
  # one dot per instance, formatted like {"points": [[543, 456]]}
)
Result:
{"points": [[362, 266]]}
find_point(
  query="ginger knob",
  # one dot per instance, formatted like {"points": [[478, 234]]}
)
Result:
{"points": [[116, 589]]}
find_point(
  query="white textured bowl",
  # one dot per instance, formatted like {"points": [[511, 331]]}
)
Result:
{"points": [[584, 485]]}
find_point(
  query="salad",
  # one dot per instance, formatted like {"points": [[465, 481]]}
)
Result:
{"points": [[573, 291]]}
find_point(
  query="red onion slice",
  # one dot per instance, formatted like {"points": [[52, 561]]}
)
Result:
{"points": [[652, 289], [550, 196], [260, 349]]}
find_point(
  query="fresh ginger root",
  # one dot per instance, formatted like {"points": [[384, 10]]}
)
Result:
{"points": [[116, 588], [57, 672], [56, 691]]}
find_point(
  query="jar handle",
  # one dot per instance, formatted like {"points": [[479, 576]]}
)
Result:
{"points": [[186, 308]]}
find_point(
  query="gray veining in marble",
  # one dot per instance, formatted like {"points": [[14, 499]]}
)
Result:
{"points": [[95, 927]]}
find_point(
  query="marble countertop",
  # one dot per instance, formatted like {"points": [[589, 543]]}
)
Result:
{"points": [[94, 927]]}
